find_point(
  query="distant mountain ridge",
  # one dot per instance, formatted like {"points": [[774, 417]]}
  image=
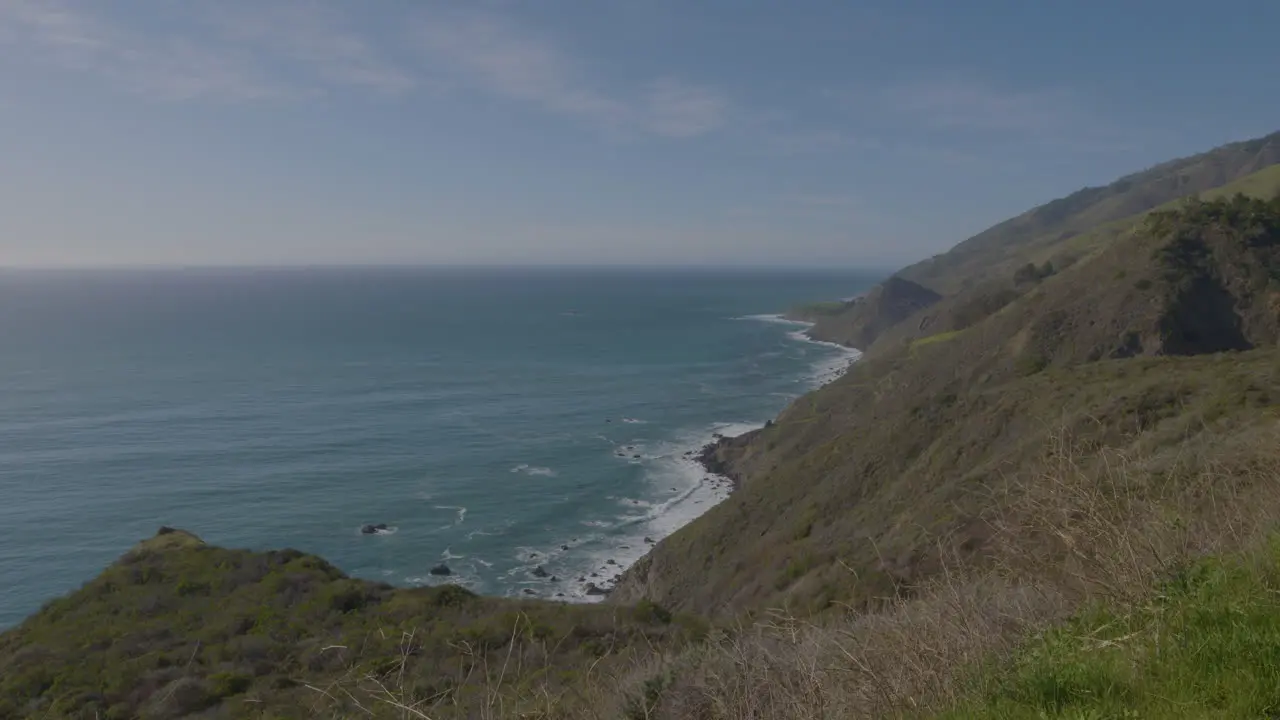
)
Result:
{"points": [[979, 275], [1008, 244]]}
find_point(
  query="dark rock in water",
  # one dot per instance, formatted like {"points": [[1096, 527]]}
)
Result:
{"points": [[648, 539], [372, 529], [553, 578], [637, 457], [564, 547], [610, 561], [559, 594], [440, 569], [527, 591], [624, 547], [533, 555], [608, 420], [582, 578], [540, 572], [593, 589], [594, 575]]}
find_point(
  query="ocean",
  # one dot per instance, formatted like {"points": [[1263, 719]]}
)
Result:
{"points": [[493, 420]]}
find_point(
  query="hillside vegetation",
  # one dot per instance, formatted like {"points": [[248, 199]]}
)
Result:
{"points": [[1050, 488], [178, 628], [859, 488], [989, 270]]}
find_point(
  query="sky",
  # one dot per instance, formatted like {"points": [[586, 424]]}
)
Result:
{"points": [[656, 132]]}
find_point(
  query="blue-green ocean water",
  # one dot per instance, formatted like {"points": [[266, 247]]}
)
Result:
{"points": [[491, 418]]}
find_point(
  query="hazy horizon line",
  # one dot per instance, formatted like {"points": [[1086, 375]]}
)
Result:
{"points": [[449, 266]]}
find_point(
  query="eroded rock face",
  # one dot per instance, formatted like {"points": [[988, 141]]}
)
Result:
{"points": [[593, 589], [884, 306]]}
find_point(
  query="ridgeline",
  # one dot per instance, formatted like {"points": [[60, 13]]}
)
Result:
{"points": [[1055, 469]]}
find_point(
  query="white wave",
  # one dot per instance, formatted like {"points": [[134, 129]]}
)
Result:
{"points": [[773, 318], [448, 555], [831, 367], [462, 512], [681, 491], [533, 470], [634, 421], [453, 579]]}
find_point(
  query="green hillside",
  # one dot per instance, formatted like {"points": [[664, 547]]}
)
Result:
{"points": [[1002, 248], [1204, 646], [988, 291], [848, 492], [178, 628]]}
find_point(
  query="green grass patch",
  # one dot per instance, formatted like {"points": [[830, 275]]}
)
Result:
{"points": [[936, 338], [1207, 645]]}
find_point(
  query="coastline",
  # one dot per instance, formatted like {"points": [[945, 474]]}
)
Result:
{"points": [[715, 478], [711, 456]]}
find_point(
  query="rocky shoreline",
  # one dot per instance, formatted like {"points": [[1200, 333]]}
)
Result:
{"points": [[717, 458], [714, 456]]}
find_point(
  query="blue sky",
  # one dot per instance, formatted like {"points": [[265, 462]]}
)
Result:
{"points": [[157, 132]]}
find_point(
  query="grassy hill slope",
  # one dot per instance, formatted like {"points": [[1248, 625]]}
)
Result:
{"points": [[178, 628], [1000, 249], [972, 304], [989, 270], [863, 487]]}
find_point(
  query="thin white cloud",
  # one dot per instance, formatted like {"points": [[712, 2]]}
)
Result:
{"points": [[966, 103], [287, 49], [676, 109], [820, 141], [315, 36], [64, 34], [490, 53], [232, 54], [1047, 116], [950, 105]]}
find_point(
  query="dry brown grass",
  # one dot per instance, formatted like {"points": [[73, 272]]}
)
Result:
{"points": [[1097, 524]]}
